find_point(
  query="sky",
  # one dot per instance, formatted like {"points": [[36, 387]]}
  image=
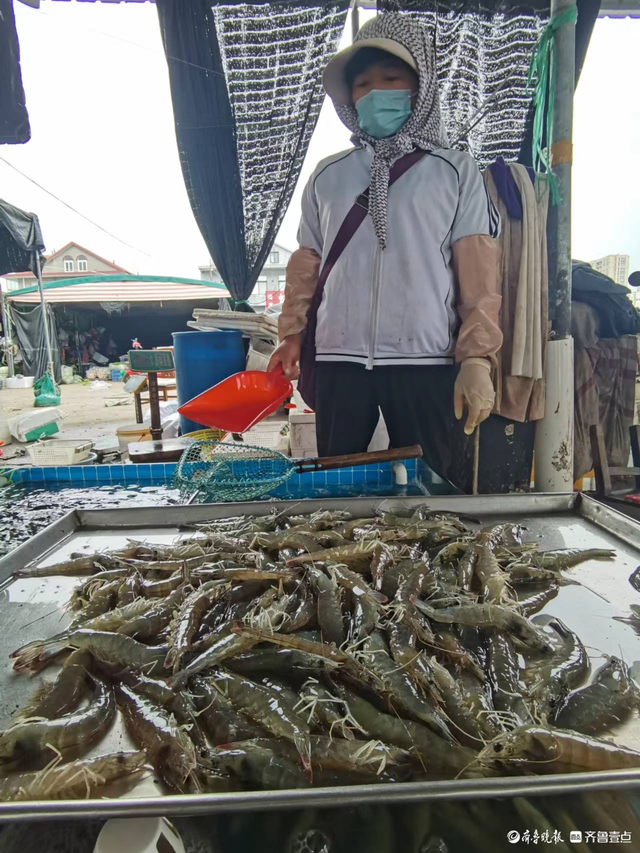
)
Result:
{"points": [[103, 141]]}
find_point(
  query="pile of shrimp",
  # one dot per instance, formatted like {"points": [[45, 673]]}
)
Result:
{"points": [[290, 651]]}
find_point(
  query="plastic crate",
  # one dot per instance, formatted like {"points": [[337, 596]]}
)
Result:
{"points": [[59, 452]]}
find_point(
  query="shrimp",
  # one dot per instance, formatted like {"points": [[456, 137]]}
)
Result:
{"points": [[119, 651], [372, 757], [381, 561], [541, 750], [504, 673], [259, 762], [479, 704], [326, 710], [243, 573], [77, 780], [536, 601], [489, 616], [64, 694], [129, 589], [169, 748], [570, 557], [565, 668], [440, 759], [493, 581], [269, 709], [90, 565], [352, 554], [329, 610], [155, 619], [450, 647], [223, 723], [467, 727], [113, 619], [399, 686], [607, 701], [280, 660], [163, 587], [29, 740], [187, 621], [467, 568], [227, 646]]}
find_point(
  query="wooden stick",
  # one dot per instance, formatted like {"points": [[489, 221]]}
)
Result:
{"points": [[476, 459], [330, 462]]}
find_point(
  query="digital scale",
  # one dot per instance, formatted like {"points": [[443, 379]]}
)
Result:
{"points": [[151, 362]]}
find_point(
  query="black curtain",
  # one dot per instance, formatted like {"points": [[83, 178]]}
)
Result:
{"points": [[14, 119], [30, 338], [246, 90]]}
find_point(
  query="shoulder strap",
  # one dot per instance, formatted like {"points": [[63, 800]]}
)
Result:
{"points": [[356, 216]]}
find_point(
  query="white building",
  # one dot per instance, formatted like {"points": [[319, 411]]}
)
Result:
{"points": [[269, 287], [615, 266]]}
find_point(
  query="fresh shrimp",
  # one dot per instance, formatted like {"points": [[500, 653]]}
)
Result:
{"points": [[449, 646], [29, 740], [76, 780], [374, 757], [607, 701], [169, 748], [303, 612], [489, 616], [352, 554], [270, 710], [280, 660], [466, 727], [493, 580], [102, 600], [155, 619], [113, 619], [236, 574], [504, 672], [566, 559], [228, 645], [526, 573], [329, 609], [382, 559], [541, 750], [466, 568], [400, 689], [479, 704], [116, 650], [163, 587], [223, 722], [326, 710], [259, 762], [82, 593], [90, 565], [551, 679], [187, 621], [440, 759], [537, 600], [62, 695], [129, 589]]}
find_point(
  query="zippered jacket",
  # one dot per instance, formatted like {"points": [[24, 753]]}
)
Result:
{"points": [[430, 295]]}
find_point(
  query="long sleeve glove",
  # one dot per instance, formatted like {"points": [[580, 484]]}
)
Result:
{"points": [[474, 389], [303, 271], [475, 263]]}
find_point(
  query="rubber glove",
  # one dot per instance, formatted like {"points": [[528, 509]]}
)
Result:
{"points": [[474, 389]]}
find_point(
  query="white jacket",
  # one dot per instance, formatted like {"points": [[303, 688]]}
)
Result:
{"points": [[397, 306]]}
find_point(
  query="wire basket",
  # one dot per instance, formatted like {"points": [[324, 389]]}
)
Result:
{"points": [[231, 472], [206, 435]]}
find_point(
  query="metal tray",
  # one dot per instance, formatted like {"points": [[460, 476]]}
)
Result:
{"points": [[35, 608]]}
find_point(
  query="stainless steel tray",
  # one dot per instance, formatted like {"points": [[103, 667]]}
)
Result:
{"points": [[35, 608]]}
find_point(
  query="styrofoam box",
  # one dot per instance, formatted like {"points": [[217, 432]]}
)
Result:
{"points": [[259, 354]]}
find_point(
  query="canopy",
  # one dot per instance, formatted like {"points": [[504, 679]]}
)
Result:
{"points": [[123, 288]]}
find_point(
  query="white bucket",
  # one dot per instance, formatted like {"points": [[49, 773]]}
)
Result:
{"points": [[129, 433]]}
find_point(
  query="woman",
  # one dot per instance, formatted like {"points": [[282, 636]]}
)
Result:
{"points": [[411, 290]]}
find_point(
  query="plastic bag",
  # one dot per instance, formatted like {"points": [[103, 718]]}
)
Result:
{"points": [[67, 374], [98, 385], [46, 393]]}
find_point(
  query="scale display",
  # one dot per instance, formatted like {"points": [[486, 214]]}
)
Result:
{"points": [[151, 360]]}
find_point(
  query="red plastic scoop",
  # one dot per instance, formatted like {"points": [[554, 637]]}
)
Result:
{"points": [[239, 402]]}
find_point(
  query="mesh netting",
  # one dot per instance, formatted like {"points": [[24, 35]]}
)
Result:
{"points": [[273, 58], [231, 472], [483, 57]]}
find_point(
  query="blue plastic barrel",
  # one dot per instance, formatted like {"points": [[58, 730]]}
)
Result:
{"points": [[202, 360]]}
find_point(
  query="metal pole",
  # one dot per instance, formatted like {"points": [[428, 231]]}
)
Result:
{"points": [[355, 20], [45, 318], [554, 433], [561, 157], [8, 341], [154, 407]]}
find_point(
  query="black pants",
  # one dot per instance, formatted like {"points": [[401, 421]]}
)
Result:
{"points": [[416, 402]]}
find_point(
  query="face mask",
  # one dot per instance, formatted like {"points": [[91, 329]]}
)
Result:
{"points": [[382, 112]]}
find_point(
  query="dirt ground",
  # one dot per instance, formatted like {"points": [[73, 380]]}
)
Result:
{"points": [[86, 415]]}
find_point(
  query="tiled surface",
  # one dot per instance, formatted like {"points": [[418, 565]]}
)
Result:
{"points": [[88, 475]]}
